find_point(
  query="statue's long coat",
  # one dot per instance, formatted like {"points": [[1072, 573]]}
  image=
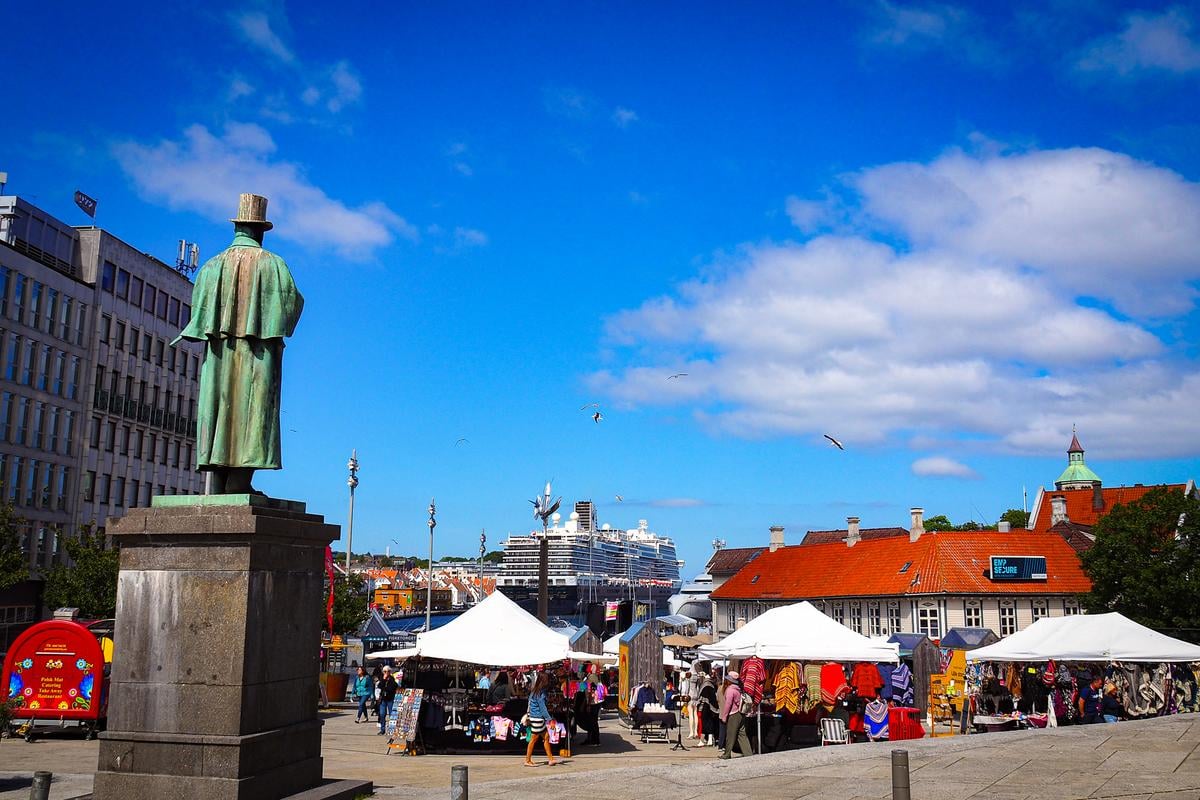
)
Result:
{"points": [[243, 306]]}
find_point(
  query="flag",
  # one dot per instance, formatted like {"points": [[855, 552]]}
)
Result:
{"points": [[329, 573], [610, 610], [85, 203]]}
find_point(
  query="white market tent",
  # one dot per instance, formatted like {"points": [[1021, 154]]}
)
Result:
{"points": [[1087, 637], [799, 632], [497, 632], [612, 645]]}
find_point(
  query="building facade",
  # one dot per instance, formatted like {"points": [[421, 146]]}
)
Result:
{"points": [[914, 580], [96, 407]]}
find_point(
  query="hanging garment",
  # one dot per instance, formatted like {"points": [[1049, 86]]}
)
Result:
{"points": [[865, 680], [788, 687], [1012, 679], [812, 683], [902, 685], [885, 677], [754, 676], [876, 719], [833, 683]]}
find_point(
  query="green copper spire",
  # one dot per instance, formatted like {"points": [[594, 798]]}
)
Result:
{"points": [[1077, 475]]}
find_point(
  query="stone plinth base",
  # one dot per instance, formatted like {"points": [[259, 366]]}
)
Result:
{"points": [[215, 659]]}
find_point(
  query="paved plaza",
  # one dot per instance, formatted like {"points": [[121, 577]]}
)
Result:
{"points": [[1157, 758]]}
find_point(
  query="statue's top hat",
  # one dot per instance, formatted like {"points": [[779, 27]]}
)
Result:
{"points": [[252, 210]]}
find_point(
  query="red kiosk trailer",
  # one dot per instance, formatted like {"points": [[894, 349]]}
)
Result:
{"points": [[56, 679]]}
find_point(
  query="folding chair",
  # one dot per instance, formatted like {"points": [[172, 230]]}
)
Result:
{"points": [[833, 731]]}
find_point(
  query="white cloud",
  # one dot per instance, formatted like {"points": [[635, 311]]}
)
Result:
{"points": [[971, 327], [1161, 42], [807, 215], [204, 173], [624, 117], [238, 88], [458, 159], [257, 29], [929, 26], [469, 237], [567, 102], [942, 467]]}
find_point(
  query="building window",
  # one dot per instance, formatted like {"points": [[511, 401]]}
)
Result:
{"points": [[839, 613], [1039, 610], [893, 618], [89, 486], [28, 363], [102, 491], [60, 373], [120, 336], [23, 404], [81, 327], [12, 358], [5, 275], [973, 616], [122, 284], [118, 493], [929, 622], [874, 620], [19, 297], [73, 378], [108, 276], [64, 318], [1070, 608], [160, 309], [94, 436], [105, 328], [45, 366], [1008, 620], [173, 311], [6, 411], [146, 347], [135, 291], [148, 298], [135, 493], [110, 436], [35, 306], [856, 618]]}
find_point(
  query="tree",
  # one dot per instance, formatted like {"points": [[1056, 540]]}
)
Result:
{"points": [[89, 583], [350, 609], [1015, 517], [14, 563], [1145, 561], [494, 557]]}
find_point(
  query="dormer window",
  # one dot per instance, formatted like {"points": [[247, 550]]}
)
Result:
{"points": [[904, 569]]}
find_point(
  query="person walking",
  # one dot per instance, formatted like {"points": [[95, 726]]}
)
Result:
{"points": [[387, 696], [539, 718], [735, 731], [1090, 698], [363, 692], [376, 679]]}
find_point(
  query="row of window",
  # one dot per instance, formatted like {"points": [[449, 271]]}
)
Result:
{"points": [[144, 295], [143, 402], [152, 350], [114, 490], [32, 423], [45, 537], [33, 483], [14, 615], [41, 307], [127, 440], [39, 366]]}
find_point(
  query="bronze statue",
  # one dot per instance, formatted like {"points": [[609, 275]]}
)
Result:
{"points": [[244, 304]]}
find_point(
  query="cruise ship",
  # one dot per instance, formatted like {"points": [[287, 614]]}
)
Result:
{"points": [[591, 563]]}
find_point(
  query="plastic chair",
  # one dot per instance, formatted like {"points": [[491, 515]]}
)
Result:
{"points": [[833, 731]]}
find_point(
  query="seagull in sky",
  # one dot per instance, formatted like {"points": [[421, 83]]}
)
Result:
{"points": [[834, 442], [620, 499], [461, 441], [677, 375], [586, 406], [597, 417]]}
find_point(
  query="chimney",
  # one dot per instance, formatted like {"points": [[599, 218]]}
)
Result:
{"points": [[1097, 499], [852, 535], [1003, 526], [1058, 509], [918, 524], [776, 537]]}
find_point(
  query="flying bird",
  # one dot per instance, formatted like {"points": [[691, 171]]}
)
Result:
{"points": [[586, 406], [461, 440], [620, 499], [834, 442], [677, 375], [597, 417]]}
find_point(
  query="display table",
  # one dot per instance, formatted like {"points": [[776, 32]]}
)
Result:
{"points": [[654, 726]]}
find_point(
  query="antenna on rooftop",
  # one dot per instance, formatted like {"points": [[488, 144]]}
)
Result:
{"points": [[718, 544], [188, 259]]}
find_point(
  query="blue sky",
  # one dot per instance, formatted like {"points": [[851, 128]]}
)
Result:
{"points": [[941, 233]]}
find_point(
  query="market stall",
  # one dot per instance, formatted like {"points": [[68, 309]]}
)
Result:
{"points": [[811, 667], [1048, 673], [465, 685]]}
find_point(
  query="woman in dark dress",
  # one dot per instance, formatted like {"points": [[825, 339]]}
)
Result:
{"points": [[709, 720]]}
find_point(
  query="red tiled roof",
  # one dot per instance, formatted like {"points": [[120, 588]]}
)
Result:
{"points": [[1080, 537], [950, 562], [731, 559], [823, 537], [1079, 503]]}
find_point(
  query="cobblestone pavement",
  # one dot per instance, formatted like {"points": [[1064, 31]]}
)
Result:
{"points": [[1157, 758]]}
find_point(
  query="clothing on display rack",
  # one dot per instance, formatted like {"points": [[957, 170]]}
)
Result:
{"points": [[753, 673], [812, 683], [833, 683], [902, 685], [875, 717], [865, 680], [789, 688], [885, 678]]}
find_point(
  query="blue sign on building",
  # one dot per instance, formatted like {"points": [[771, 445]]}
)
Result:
{"points": [[1018, 568]]}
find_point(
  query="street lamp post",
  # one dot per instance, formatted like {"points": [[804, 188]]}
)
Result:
{"points": [[543, 508], [352, 482], [429, 576], [482, 548]]}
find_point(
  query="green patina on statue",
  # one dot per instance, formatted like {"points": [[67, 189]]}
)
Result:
{"points": [[243, 306]]}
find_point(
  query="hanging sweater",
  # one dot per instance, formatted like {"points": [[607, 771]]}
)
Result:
{"points": [[902, 685], [865, 680], [833, 683]]}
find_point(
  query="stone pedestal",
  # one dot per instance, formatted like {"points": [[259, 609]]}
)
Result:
{"points": [[216, 652]]}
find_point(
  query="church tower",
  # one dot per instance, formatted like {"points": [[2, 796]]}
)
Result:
{"points": [[1077, 475]]}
